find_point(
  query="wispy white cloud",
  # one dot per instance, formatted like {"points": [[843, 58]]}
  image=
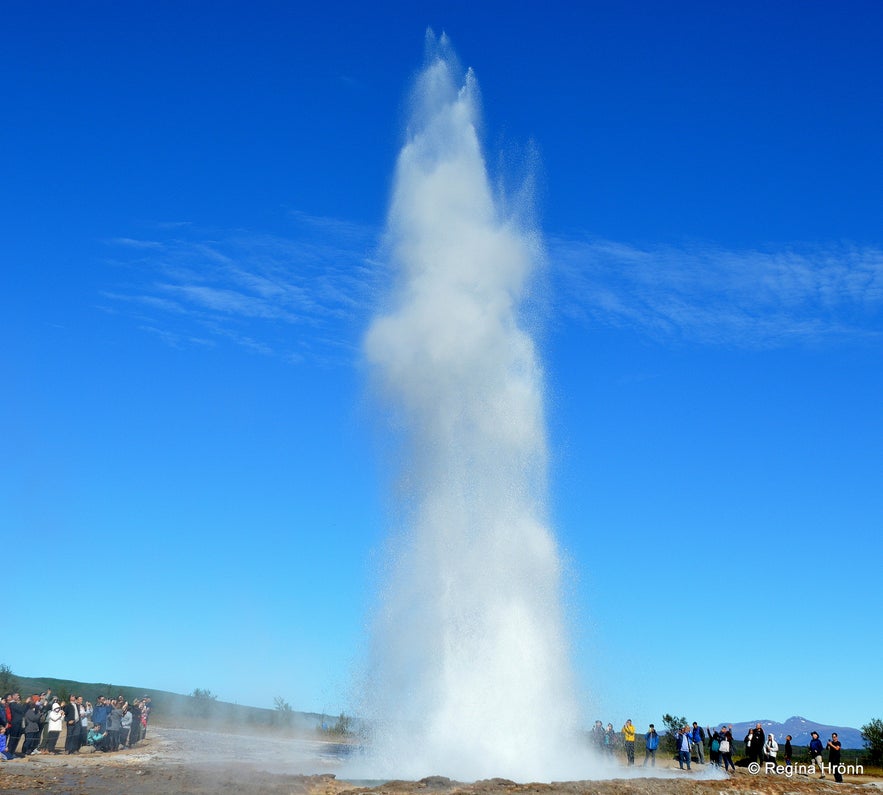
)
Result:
{"points": [[137, 244], [174, 340], [308, 296], [303, 297], [709, 294]]}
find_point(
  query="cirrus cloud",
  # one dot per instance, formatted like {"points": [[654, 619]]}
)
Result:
{"points": [[708, 294]]}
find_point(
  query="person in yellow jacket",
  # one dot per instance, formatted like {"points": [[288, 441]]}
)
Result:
{"points": [[628, 740]]}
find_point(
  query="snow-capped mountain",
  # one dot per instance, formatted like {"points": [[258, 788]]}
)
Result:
{"points": [[799, 728]]}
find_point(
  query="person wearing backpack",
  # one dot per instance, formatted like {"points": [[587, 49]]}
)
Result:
{"points": [[726, 749], [715, 750], [609, 740]]}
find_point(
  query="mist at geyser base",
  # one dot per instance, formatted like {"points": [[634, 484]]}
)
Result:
{"points": [[470, 674]]}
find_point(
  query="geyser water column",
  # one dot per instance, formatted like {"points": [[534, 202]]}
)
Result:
{"points": [[470, 675]]}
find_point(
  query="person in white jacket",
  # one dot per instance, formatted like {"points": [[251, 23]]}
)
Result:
{"points": [[55, 722], [771, 748]]}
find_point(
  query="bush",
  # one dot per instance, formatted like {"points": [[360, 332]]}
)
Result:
{"points": [[8, 682], [872, 734], [669, 741]]}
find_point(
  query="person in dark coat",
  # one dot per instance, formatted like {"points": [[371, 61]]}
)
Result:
{"points": [[758, 744], [815, 753], [135, 731], [749, 745], [72, 724], [834, 757], [32, 724], [15, 728]]}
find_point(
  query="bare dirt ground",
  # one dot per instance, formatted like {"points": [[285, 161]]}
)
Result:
{"points": [[197, 763]]}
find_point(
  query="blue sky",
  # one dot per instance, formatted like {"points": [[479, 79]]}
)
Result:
{"points": [[192, 201]]}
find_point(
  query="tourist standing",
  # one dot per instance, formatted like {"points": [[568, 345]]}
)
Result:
{"points": [[609, 739], [72, 722], [771, 748], [125, 726], [652, 743], [54, 724], [697, 737], [32, 726], [759, 743], [685, 738], [85, 710], [145, 715], [135, 731], [815, 753], [628, 738], [598, 735], [714, 749], [834, 757], [46, 702], [113, 726], [726, 750], [789, 751], [16, 722], [749, 743]]}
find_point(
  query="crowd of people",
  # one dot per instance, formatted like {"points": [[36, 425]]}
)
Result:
{"points": [[690, 742], [35, 725]]}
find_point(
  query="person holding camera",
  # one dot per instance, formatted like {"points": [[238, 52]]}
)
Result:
{"points": [[54, 724], [652, 744], [834, 757], [628, 738]]}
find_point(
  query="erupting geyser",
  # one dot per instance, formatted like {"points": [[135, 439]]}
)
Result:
{"points": [[470, 676]]}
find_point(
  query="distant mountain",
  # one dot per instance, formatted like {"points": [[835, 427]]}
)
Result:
{"points": [[799, 729]]}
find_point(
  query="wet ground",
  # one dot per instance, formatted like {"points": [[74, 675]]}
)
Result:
{"points": [[191, 762]]}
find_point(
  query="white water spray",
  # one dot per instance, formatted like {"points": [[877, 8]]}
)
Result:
{"points": [[470, 676]]}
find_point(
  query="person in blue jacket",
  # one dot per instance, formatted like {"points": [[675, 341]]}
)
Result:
{"points": [[698, 739], [652, 742], [684, 739], [3, 747], [100, 711], [815, 753]]}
